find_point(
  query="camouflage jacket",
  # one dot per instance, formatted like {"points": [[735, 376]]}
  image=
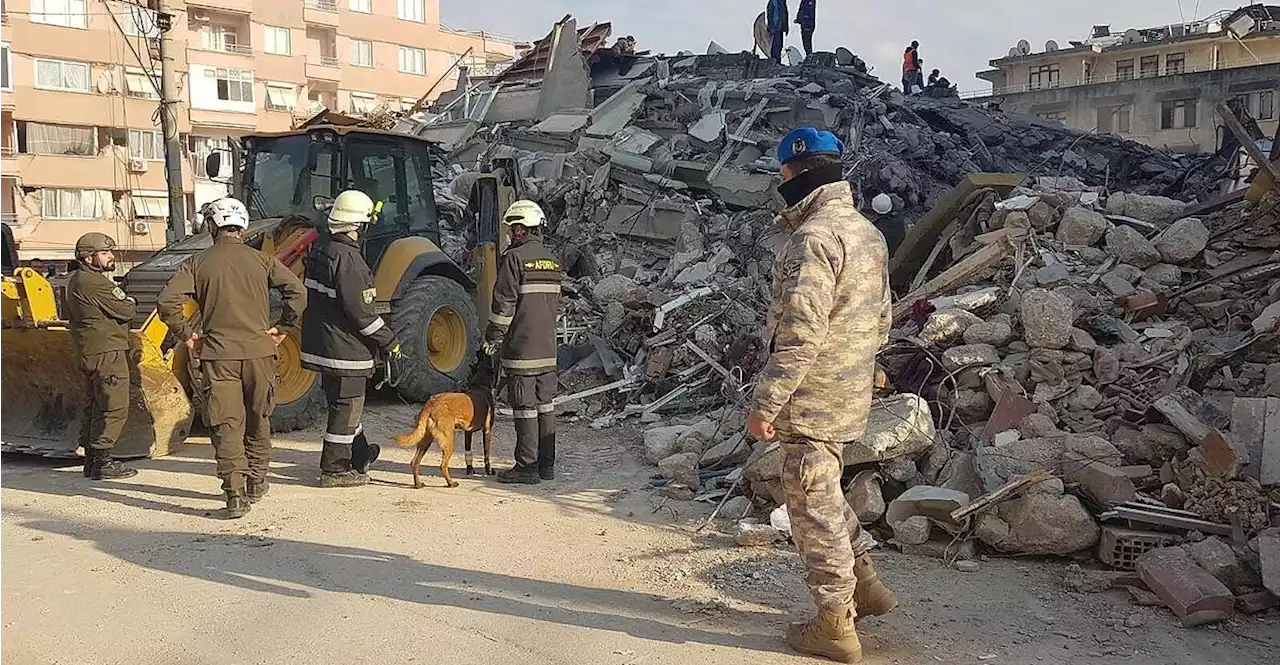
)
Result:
{"points": [[831, 312]]}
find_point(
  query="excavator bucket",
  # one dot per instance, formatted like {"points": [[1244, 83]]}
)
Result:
{"points": [[44, 393]]}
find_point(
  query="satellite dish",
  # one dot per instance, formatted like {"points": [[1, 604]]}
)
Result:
{"points": [[1132, 36], [1024, 47], [1051, 45], [1013, 52], [760, 32], [844, 56]]}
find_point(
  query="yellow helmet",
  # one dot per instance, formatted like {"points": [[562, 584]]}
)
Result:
{"points": [[525, 213], [351, 209]]}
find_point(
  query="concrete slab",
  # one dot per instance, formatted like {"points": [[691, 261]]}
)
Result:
{"points": [[562, 123], [566, 84], [617, 111], [709, 128]]}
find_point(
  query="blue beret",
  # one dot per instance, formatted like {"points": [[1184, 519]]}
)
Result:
{"points": [[806, 142]]}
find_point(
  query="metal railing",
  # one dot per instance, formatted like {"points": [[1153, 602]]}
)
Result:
{"points": [[238, 49], [1109, 78], [322, 5], [483, 34], [324, 60]]}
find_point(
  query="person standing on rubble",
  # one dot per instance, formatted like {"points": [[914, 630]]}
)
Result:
{"points": [[99, 314], [230, 283], [776, 18], [522, 325], [806, 18], [911, 68], [830, 313], [340, 334]]}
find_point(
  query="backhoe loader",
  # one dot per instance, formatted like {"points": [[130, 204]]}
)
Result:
{"points": [[286, 180]]}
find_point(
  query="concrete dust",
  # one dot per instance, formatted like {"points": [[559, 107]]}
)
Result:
{"points": [[592, 568]]}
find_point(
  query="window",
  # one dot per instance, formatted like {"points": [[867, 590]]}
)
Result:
{"points": [[1178, 114], [281, 97], [275, 40], [144, 144], [138, 21], [62, 75], [363, 102], [70, 13], [1175, 63], [221, 38], [149, 205], [361, 53], [1044, 76], [201, 147], [70, 203], [1114, 119], [1088, 72], [1149, 66], [362, 6], [1056, 116], [412, 10], [235, 85], [1124, 69], [138, 84], [6, 66], [413, 60], [41, 139], [1266, 105]]}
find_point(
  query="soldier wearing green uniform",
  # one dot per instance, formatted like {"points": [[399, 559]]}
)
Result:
{"points": [[100, 313], [831, 301]]}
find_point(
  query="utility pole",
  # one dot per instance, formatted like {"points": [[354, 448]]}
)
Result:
{"points": [[169, 125]]}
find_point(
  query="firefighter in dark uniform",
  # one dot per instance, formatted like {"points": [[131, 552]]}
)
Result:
{"points": [[100, 312], [230, 283], [523, 325], [340, 334]]}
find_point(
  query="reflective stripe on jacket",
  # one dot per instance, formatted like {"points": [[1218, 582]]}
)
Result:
{"points": [[340, 330], [526, 299]]}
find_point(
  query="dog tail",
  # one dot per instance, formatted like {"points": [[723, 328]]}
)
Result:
{"points": [[411, 439]]}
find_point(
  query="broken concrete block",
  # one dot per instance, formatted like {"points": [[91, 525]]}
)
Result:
{"points": [[936, 503], [1128, 245], [1171, 495], [1117, 286], [864, 497], [747, 534], [1258, 601], [1161, 276], [614, 287], [994, 333], [1153, 209], [1219, 560], [997, 466], [660, 442], [1106, 366], [726, 452], [1081, 341], [1194, 595], [1081, 226], [1041, 216], [1036, 425], [699, 436], [913, 530], [1182, 241], [1039, 523], [969, 355], [1268, 320], [1105, 484], [1052, 275], [1093, 447], [674, 465], [947, 325], [1046, 319], [1084, 398], [898, 425], [709, 128], [735, 508], [1269, 558]]}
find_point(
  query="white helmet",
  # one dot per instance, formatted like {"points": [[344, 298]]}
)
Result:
{"points": [[882, 204], [350, 210], [525, 213], [226, 212]]}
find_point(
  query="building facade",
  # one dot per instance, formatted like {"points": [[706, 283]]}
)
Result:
{"points": [[1154, 85], [82, 147]]}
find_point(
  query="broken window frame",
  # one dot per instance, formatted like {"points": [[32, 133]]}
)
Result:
{"points": [[1266, 105], [1175, 63], [1043, 76], [1178, 114], [69, 204], [1148, 66], [1124, 70], [1115, 119]]}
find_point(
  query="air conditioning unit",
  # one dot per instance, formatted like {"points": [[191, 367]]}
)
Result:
{"points": [[141, 228], [137, 165]]}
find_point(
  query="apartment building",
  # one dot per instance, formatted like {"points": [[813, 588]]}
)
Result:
{"points": [[82, 148], [1156, 85]]}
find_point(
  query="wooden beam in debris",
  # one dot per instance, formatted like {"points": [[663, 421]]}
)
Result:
{"points": [[1233, 125], [958, 275], [616, 385], [707, 358], [732, 139]]}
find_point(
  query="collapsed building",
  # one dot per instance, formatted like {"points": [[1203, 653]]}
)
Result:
{"points": [[1084, 353]]}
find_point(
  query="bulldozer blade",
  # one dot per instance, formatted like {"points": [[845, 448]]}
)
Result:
{"points": [[45, 394]]}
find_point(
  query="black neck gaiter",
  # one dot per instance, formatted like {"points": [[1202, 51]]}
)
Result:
{"points": [[794, 190]]}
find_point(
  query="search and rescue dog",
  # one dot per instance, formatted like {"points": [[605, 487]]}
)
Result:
{"points": [[470, 412]]}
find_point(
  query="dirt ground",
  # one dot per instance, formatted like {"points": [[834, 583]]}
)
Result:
{"points": [[592, 568]]}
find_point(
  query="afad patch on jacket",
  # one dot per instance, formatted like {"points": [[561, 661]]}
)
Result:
{"points": [[542, 264], [369, 295]]}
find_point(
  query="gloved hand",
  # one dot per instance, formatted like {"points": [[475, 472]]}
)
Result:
{"points": [[395, 353], [491, 348]]}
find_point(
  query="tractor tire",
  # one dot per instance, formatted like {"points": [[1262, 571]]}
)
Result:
{"points": [[299, 398], [435, 322]]}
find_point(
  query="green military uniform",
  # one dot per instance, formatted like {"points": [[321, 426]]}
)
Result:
{"points": [[99, 313], [230, 283]]}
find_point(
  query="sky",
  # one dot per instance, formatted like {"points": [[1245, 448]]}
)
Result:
{"points": [[959, 38]]}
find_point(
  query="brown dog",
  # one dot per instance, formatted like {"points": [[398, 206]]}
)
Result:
{"points": [[470, 412]]}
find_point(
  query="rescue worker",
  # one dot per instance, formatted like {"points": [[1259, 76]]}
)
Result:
{"points": [[100, 313], [230, 283], [933, 78], [522, 324], [776, 21], [340, 333], [830, 301], [806, 18], [911, 67]]}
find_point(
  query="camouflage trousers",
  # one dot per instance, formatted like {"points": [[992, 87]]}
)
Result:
{"points": [[823, 526]]}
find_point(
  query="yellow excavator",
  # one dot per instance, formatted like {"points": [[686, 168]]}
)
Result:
{"points": [[286, 181]]}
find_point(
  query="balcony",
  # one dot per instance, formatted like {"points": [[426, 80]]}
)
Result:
{"points": [[237, 49], [237, 6], [320, 12], [324, 68]]}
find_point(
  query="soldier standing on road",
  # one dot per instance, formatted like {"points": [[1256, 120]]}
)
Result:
{"points": [[525, 302], [100, 313], [340, 333], [230, 283], [831, 300]]}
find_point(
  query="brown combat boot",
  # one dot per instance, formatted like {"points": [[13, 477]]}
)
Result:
{"points": [[830, 635], [872, 598]]}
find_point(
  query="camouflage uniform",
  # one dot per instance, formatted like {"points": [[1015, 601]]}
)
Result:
{"points": [[831, 299]]}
